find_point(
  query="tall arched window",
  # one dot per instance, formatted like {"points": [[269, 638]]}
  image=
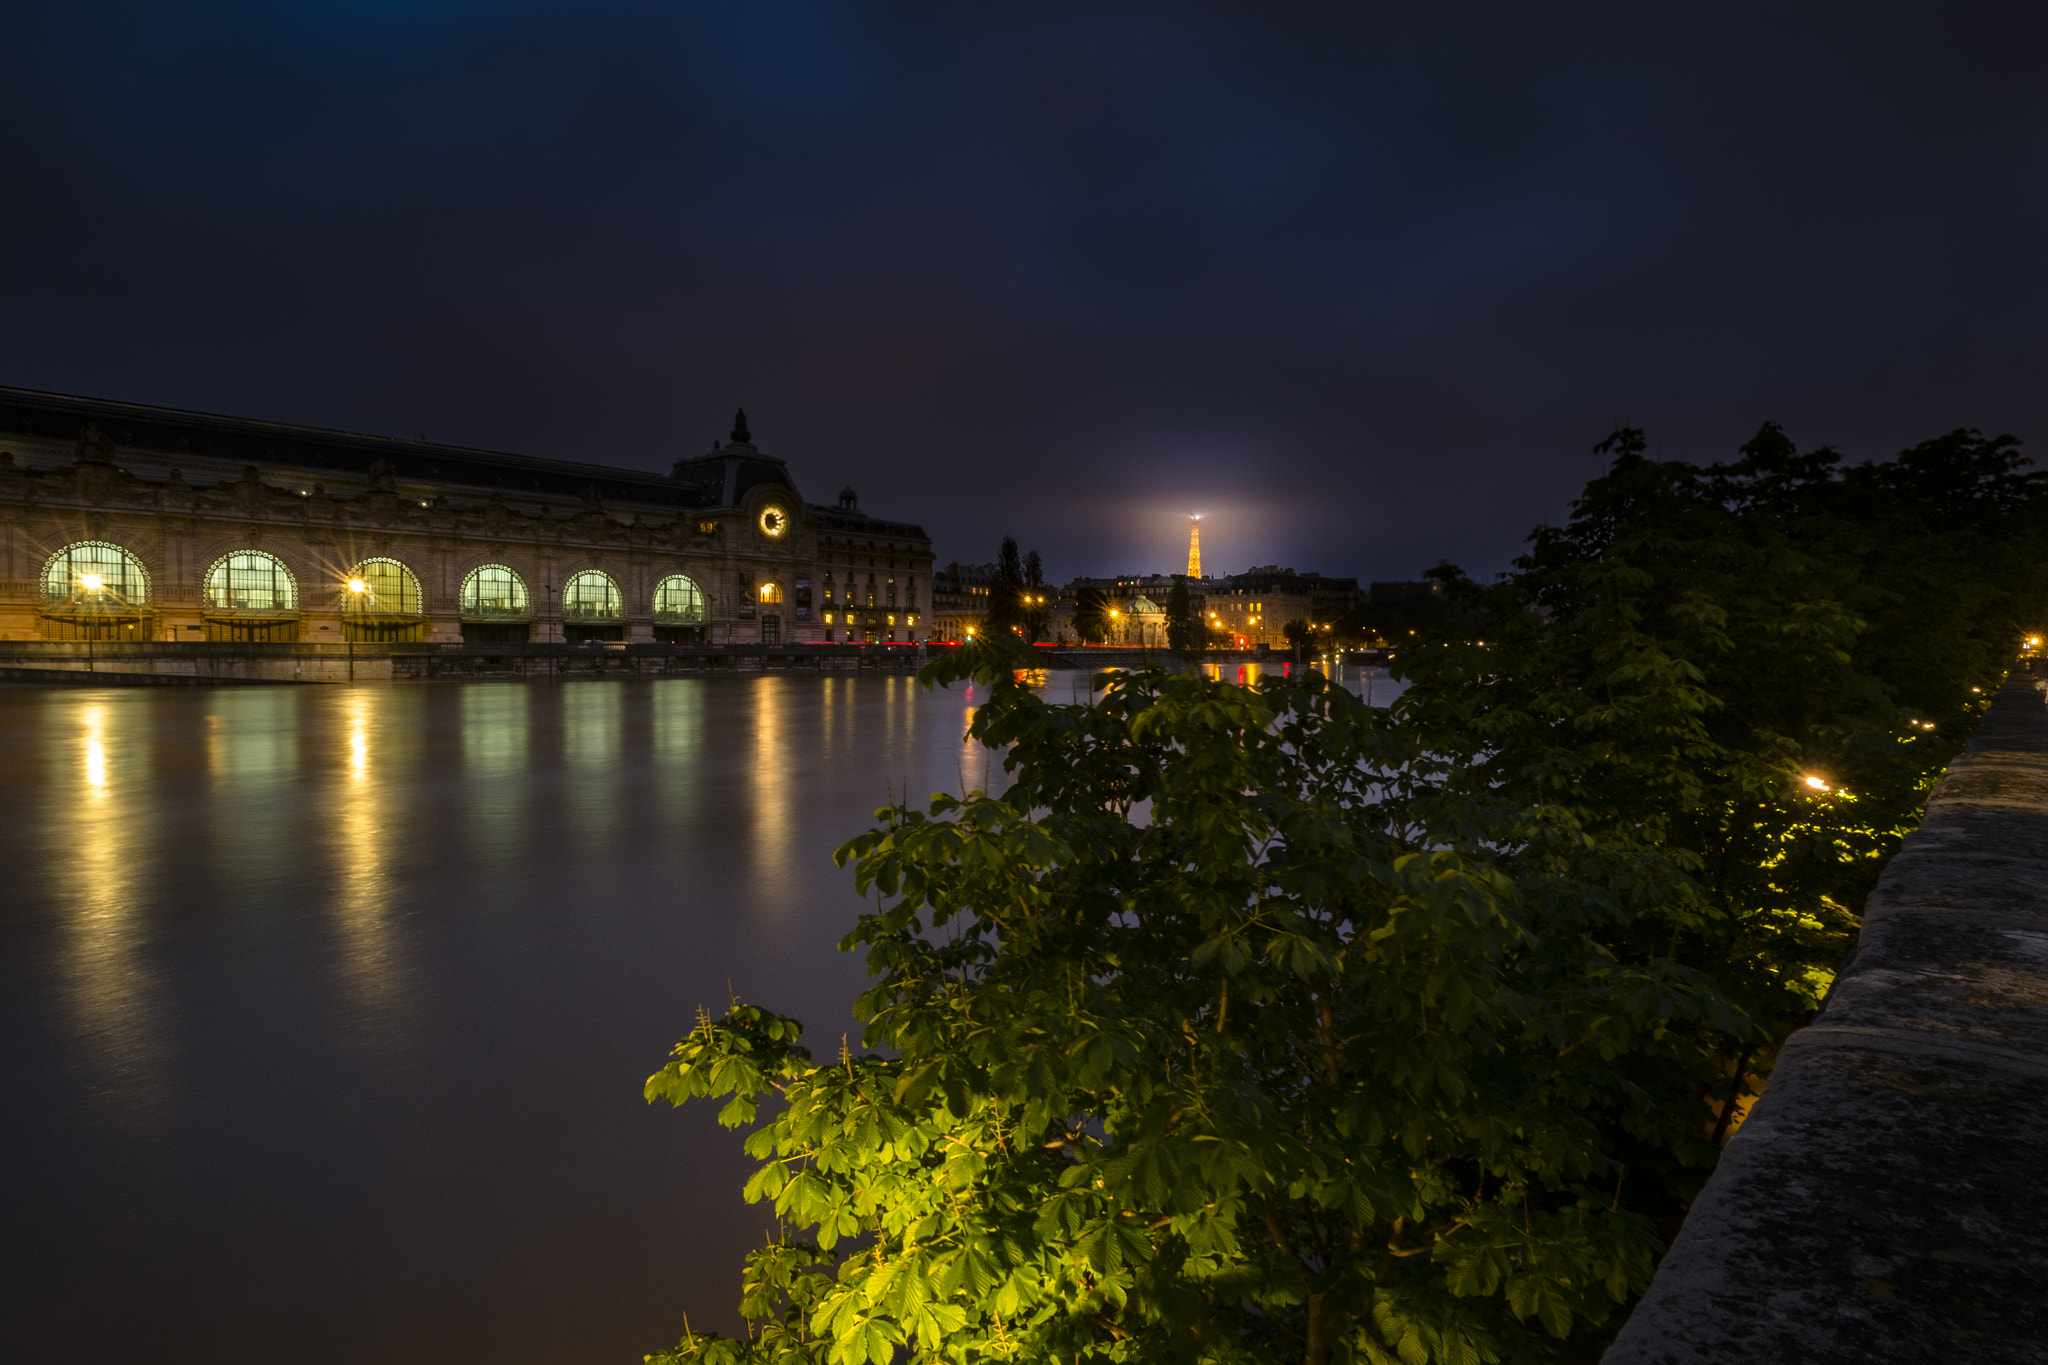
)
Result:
{"points": [[92, 575], [250, 581], [678, 601], [592, 595], [771, 593], [387, 588], [494, 592]]}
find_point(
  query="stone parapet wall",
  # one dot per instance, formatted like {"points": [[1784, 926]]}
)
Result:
{"points": [[1887, 1199]]}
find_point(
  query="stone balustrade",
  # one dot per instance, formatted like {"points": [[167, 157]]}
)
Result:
{"points": [[1887, 1199]]}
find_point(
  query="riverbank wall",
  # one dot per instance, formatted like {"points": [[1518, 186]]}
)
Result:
{"points": [[1885, 1199], [146, 663]]}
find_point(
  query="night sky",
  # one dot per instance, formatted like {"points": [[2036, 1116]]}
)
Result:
{"points": [[1363, 284]]}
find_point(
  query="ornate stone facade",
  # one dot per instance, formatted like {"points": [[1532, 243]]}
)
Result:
{"points": [[119, 521]]}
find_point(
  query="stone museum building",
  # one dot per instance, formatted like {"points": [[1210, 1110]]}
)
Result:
{"points": [[125, 522]]}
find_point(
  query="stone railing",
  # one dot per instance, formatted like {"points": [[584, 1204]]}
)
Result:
{"points": [[1887, 1199]]}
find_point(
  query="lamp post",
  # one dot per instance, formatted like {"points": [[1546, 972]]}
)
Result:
{"points": [[356, 588], [91, 583]]}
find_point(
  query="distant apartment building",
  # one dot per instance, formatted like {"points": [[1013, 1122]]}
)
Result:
{"points": [[960, 600], [1254, 607]]}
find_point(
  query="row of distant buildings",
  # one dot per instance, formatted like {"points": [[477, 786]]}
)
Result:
{"points": [[124, 522], [1250, 608]]}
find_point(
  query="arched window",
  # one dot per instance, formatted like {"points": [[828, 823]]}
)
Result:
{"points": [[91, 575], [251, 582], [678, 601], [771, 593], [592, 595], [387, 588], [494, 592]]}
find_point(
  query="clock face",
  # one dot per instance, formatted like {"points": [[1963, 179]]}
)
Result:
{"points": [[773, 521]]}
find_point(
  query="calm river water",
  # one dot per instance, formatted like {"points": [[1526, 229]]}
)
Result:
{"points": [[324, 1012]]}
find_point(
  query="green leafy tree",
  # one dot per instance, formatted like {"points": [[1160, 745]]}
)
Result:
{"points": [[1017, 601], [1091, 614], [1185, 634], [1298, 634], [1753, 672], [1037, 605], [1253, 1024], [1197, 1048]]}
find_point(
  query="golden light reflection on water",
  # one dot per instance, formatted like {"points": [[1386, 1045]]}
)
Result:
{"points": [[372, 966], [105, 833], [974, 760], [96, 751], [770, 792]]}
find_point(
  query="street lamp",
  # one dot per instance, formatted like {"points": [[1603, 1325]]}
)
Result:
{"points": [[91, 583], [356, 588]]}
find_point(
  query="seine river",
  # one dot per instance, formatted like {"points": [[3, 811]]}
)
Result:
{"points": [[324, 1012]]}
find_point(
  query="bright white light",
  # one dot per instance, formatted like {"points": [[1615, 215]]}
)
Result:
{"points": [[89, 581], [1817, 784], [357, 585]]}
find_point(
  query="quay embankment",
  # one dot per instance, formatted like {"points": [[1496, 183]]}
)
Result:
{"points": [[179, 664], [1885, 1199], [116, 664]]}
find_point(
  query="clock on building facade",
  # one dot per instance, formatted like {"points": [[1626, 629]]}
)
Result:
{"points": [[773, 521]]}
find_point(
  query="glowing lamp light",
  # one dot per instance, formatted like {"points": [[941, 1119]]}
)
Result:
{"points": [[89, 581], [357, 585], [1818, 784]]}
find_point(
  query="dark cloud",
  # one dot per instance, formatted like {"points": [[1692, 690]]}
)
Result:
{"points": [[1360, 284]]}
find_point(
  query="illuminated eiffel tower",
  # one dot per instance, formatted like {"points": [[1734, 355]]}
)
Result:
{"points": [[1195, 546]]}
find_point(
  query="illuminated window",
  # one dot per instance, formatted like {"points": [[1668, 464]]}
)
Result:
{"points": [[678, 601], [707, 527], [592, 595], [251, 581], [771, 592], [389, 589], [92, 574], [495, 593]]}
